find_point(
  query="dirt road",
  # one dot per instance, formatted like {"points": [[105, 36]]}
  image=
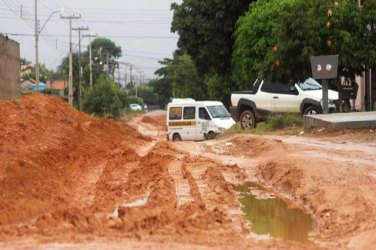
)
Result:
{"points": [[71, 181]]}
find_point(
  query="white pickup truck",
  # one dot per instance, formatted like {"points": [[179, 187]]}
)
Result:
{"points": [[251, 107]]}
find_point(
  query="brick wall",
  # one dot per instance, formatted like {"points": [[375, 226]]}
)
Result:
{"points": [[10, 68]]}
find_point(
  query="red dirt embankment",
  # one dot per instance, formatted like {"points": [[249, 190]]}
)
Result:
{"points": [[67, 177], [44, 146]]}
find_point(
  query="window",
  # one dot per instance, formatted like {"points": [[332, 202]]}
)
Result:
{"points": [[203, 114], [189, 113], [175, 113], [218, 111]]}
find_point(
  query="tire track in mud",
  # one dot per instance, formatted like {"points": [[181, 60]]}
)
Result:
{"points": [[85, 190], [182, 187], [197, 173]]}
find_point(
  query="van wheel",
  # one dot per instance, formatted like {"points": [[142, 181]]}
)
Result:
{"points": [[311, 110], [211, 135], [247, 120], [176, 137]]}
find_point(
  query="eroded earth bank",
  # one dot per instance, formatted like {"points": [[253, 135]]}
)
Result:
{"points": [[71, 181]]}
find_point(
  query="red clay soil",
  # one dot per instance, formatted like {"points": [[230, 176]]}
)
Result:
{"points": [[66, 177], [72, 181]]}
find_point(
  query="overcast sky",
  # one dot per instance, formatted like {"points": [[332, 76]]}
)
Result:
{"points": [[140, 27]]}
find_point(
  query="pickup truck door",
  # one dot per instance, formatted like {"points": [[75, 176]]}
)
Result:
{"points": [[285, 99], [265, 98]]}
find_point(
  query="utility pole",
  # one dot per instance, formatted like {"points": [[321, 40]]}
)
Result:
{"points": [[70, 77], [125, 75], [79, 63], [36, 47], [130, 74], [139, 80], [118, 67], [90, 59], [367, 82]]}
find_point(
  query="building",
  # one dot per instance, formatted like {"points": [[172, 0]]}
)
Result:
{"points": [[10, 86]]}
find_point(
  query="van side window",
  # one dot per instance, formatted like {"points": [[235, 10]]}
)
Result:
{"points": [[189, 113], [203, 114], [175, 113]]}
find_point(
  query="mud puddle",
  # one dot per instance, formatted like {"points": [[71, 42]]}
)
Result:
{"points": [[270, 216]]}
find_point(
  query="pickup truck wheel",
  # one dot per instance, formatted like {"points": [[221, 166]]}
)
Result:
{"points": [[311, 110], [247, 120], [176, 137]]}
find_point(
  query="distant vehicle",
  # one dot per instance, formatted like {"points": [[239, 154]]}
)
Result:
{"points": [[135, 107], [251, 107], [192, 120]]}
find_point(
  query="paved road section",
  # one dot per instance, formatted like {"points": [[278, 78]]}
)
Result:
{"points": [[339, 121]]}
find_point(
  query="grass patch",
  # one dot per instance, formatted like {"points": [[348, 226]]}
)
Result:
{"points": [[128, 114], [275, 124]]}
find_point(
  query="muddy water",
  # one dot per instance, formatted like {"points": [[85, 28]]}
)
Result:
{"points": [[269, 215]]}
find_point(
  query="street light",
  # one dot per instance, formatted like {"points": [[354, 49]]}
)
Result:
{"points": [[37, 33], [49, 17]]}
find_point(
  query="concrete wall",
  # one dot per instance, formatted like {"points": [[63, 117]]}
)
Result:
{"points": [[10, 86]]}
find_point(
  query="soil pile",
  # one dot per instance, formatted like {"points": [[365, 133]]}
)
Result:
{"points": [[66, 176], [45, 145]]}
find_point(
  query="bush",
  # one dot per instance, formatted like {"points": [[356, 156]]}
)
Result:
{"points": [[104, 99], [135, 99], [282, 121]]}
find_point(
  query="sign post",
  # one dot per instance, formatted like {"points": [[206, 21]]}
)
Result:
{"points": [[324, 68]]}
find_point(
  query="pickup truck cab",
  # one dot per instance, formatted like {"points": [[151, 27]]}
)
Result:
{"points": [[251, 107]]}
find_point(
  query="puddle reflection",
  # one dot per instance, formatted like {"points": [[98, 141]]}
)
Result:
{"points": [[272, 216]]}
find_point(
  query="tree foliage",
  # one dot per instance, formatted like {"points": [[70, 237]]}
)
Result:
{"points": [[162, 85], [44, 74], [104, 56], [205, 31], [104, 100], [185, 80], [102, 49], [276, 38]]}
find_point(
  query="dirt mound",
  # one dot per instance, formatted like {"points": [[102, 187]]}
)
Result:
{"points": [[158, 121], [253, 145], [45, 146], [148, 119]]}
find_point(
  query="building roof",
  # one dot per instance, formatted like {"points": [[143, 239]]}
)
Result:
{"points": [[57, 84]]}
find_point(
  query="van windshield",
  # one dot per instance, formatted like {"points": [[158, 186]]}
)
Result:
{"points": [[218, 111]]}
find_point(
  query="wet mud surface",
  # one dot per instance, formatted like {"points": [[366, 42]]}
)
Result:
{"points": [[71, 181]]}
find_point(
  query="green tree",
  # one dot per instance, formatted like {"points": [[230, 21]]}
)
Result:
{"points": [[276, 38], [102, 50], [44, 74], [185, 80], [104, 56], [147, 94], [104, 100], [162, 86], [205, 31]]}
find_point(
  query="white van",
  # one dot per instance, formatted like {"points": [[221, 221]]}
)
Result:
{"points": [[191, 120]]}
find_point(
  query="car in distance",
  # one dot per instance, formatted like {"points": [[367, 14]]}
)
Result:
{"points": [[135, 107], [253, 106]]}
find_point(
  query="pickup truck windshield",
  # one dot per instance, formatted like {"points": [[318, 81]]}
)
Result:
{"points": [[310, 84], [218, 111]]}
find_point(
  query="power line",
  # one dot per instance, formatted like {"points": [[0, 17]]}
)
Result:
{"points": [[107, 36]]}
